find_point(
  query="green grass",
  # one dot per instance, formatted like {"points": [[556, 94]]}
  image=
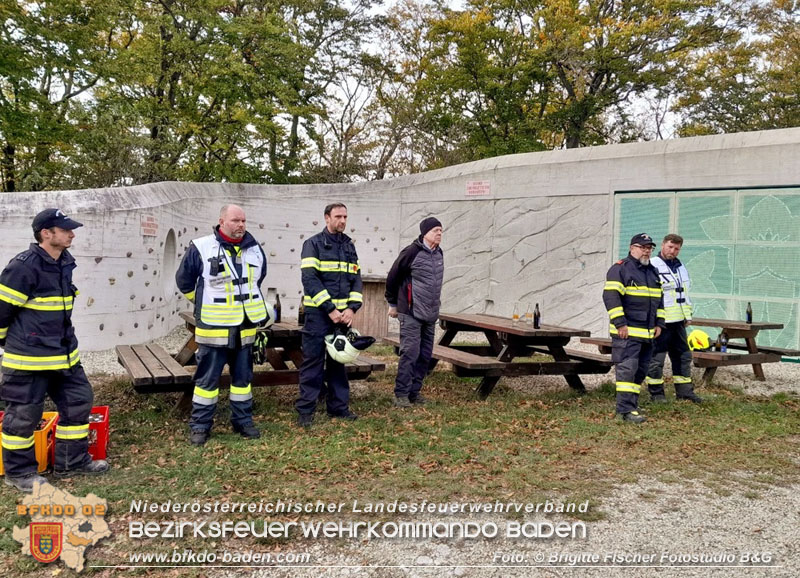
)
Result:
{"points": [[515, 446]]}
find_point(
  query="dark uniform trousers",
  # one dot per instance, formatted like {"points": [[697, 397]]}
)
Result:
{"points": [[24, 393], [318, 368], [672, 340], [210, 362], [416, 347], [632, 359]]}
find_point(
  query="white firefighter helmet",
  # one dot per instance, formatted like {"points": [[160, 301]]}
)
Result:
{"points": [[344, 346]]}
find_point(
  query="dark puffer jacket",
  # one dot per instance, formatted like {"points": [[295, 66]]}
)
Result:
{"points": [[414, 284]]}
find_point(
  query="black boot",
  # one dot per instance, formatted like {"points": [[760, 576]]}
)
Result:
{"points": [[686, 391]]}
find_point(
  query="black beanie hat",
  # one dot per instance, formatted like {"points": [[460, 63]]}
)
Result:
{"points": [[428, 224]]}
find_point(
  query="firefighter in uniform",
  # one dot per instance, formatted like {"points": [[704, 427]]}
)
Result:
{"points": [[678, 312], [633, 299], [222, 274], [332, 295], [41, 356]]}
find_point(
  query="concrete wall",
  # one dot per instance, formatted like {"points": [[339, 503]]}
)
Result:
{"points": [[522, 228]]}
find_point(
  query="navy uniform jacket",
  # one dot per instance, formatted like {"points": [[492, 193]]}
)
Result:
{"points": [[632, 296], [36, 297], [330, 273]]}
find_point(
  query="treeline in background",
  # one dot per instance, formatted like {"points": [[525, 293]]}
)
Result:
{"points": [[97, 93]]}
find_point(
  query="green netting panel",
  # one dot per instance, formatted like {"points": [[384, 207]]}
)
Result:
{"points": [[740, 246], [705, 218], [710, 267], [642, 215]]}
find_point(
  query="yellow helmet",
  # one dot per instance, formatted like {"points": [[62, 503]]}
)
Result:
{"points": [[699, 340]]}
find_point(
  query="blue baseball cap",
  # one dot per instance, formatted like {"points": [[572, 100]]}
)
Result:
{"points": [[50, 218], [642, 239]]}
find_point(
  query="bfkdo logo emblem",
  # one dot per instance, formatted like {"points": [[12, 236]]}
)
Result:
{"points": [[46, 540]]}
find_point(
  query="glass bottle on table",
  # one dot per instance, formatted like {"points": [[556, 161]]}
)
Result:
{"points": [[515, 314], [749, 313], [537, 317], [277, 308], [723, 342], [529, 315]]}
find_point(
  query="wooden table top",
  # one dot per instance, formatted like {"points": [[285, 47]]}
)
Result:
{"points": [[282, 329], [735, 324], [506, 325]]}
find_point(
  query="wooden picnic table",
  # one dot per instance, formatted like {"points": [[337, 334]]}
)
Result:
{"points": [[508, 341], [747, 353], [159, 372], [755, 355]]}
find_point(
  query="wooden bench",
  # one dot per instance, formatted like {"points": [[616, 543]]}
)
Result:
{"points": [[599, 358], [465, 364], [603, 343], [153, 369], [711, 360]]}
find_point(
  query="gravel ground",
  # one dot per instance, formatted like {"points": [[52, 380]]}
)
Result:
{"points": [[645, 518], [648, 519]]}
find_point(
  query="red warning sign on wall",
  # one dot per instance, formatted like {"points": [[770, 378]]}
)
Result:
{"points": [[478, 188], [149, 226]]}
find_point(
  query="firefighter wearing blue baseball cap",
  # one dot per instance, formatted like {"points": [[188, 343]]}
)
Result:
{"points": [[632, 296], [41, 356]]}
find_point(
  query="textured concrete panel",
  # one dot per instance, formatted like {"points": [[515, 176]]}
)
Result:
{"points": [[521, 228]]}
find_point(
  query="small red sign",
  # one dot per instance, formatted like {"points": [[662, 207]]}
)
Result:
{"points": [[149, 226], [46, 540], [478, 188]]}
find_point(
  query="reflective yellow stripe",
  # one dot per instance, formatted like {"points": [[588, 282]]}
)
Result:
{"points": [[356, 297], [336, 267], [628, 387], [17, 443], [205, 393], [72, 432], [204, 397], [340, 303], [309, 263], [44, 363], [249, 332], [642, 291], [241, 393], [614, 286], [681, 379], [615, 312], [3, 332], [203, 332], [317, 299], [241, 390], [190, 296], [50, 303], [654, 381], [12, 296], [634, 332], [660, 313]]}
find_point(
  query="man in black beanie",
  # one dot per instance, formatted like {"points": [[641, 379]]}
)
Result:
{"points": [[413, 291]]}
